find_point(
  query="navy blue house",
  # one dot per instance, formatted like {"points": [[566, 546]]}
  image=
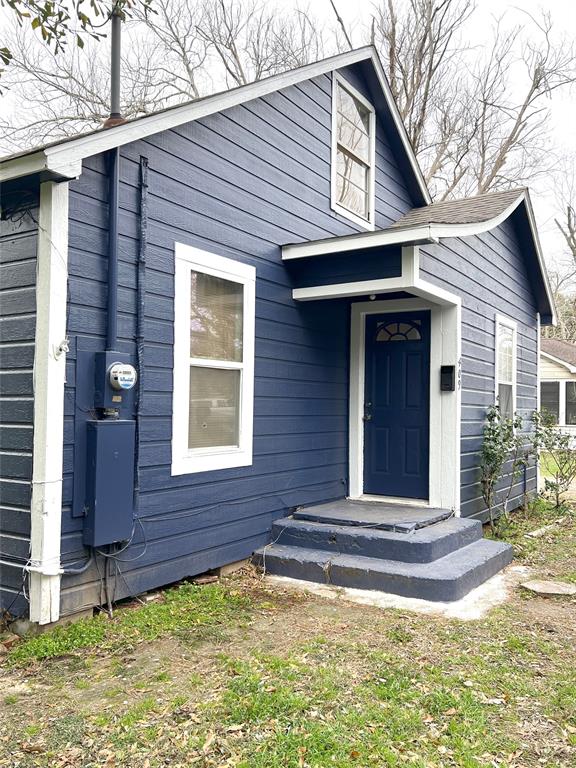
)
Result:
{"points": [[219, 315]]}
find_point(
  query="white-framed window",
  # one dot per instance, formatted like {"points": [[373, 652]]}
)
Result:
{"points": [[558, 397], [214, 311], [506, 353], [353, 154]]}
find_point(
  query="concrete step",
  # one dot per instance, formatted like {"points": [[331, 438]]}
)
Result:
{"points": [[444, 580], [386, 516], [420, 546]]}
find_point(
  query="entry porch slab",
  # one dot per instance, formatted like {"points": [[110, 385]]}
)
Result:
{"points": [[400, 518]]}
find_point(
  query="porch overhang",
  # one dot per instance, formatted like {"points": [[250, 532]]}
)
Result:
{"points": [[429, 225]]}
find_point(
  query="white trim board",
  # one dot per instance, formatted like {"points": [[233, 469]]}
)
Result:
{"points": [[65, 158], [367, 223], [512, 325], [557, 360], [184, 460], [49, 377], [444, 448], [420, 234]]}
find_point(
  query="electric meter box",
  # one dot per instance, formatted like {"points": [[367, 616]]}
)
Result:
{"points": [[109, 481], [116, 378]]}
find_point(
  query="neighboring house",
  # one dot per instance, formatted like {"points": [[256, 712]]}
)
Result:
{"points": [[558, 381], [303, 326]]}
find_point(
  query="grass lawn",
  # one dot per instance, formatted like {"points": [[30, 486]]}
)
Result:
{"points": [[243, 674]]}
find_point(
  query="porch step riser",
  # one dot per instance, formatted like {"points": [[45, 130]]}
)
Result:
{"points": [[445, 580], [422, 546]]}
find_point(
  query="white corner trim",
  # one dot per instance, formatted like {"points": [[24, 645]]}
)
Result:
{"points": [[445, 407], [557, 360], [340, 82], [49, 377], [184, 460]]}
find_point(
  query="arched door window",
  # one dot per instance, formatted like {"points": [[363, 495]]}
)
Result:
{"points": [[399, 331]]}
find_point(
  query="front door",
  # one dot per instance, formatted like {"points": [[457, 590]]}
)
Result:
{"points": [[397, 404]]}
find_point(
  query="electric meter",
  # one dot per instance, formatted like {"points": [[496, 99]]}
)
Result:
{"points": [[122, 376]]}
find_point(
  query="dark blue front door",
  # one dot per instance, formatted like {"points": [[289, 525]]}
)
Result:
{"points": [[397, 405]]}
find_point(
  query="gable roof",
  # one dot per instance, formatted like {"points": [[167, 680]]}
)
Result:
{"points": [[63, 158], [454, 218], [560, 351]]}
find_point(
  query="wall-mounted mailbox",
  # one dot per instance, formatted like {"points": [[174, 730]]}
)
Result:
{"points": [[447, 378], [109, 481]]}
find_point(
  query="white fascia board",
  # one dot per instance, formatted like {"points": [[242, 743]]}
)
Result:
{"points": [[69, 154], [39, 162], [377, 239], [49, 377], [400, 127], [415, 235], [541, 262], [359, 288], [558, 361]]}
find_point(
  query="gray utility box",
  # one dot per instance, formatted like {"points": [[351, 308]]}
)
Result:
{"points": [[109, 481]]}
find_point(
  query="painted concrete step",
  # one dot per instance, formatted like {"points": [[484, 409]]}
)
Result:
{"points": [[402, 518], [444, 580], [421, 546]]}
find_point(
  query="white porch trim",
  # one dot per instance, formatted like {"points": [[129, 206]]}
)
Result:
{"points": [[445, 349], [49, 376]]}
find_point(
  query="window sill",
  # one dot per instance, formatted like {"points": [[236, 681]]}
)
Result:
{"points": [[209, 462], [364, 223]]}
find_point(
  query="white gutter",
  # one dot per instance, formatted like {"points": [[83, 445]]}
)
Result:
{"points": [[49, 376]]}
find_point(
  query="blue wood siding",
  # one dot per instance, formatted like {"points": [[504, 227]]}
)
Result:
{"points": [[489, 273], [240, 184], [18, 240]]}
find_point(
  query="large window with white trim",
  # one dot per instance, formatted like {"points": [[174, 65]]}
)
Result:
{"points": [[353, 152], [506, 366], [213, 362], [558, 398]]}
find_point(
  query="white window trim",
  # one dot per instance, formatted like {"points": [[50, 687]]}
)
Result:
{"points": [[189, 461], [339, 81], [512, 324], [562, 384]]}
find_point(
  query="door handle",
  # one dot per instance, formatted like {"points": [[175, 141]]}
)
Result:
{"points": [[367, 415]]}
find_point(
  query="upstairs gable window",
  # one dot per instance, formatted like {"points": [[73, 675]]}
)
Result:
{"points": [[353, 125]]}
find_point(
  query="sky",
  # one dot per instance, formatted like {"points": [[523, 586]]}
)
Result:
{"points": [[562, 106]]}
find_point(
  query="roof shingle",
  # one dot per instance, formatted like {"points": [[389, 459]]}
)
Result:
{"points": [[470, 210], [563, 350]]}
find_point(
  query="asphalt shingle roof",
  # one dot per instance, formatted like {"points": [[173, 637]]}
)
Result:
{"points": [[470, 210], [563, 350]]}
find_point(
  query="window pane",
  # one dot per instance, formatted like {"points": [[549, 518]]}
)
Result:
{"points": [[352, 184], [505, 353], [550, 398], [505, 400], [353, 123], [214, 407], [216, 315], [571, 402]]}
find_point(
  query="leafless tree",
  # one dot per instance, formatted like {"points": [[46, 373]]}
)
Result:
{"points": [[476, 118], [185, 50]]}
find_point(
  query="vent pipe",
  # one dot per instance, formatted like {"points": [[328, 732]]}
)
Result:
{"points": [[115, 51]]}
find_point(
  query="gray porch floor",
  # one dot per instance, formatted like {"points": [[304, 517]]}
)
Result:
{"points": [[401, 518]]}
